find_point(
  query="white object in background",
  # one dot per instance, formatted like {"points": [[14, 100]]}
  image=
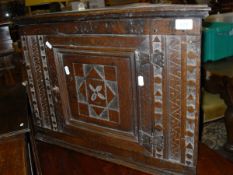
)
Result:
{"points": [[96, 4], [208, 75], [74, 5], [7, 14], [140, 80], [80, 6], [67, 70], [184, 24]]}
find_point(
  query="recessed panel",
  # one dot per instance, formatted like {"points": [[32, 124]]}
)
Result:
{"points": [[100, 90]]}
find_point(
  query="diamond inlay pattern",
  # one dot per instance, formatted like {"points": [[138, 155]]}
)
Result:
{"points": [[97, 91]]}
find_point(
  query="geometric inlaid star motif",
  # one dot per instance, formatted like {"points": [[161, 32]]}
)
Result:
{"points": [[97, 91]]}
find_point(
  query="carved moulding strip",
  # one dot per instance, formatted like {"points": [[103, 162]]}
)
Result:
{"points": [[170, 47], [47, 83], [37, 71], [193, 54], [157, 60], [174, 80], [31, 86], [40, 89]]}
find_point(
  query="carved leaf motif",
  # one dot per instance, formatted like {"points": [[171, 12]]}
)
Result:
{"points": [[91, 87], [98, 88], [93, 97], [101, 96]]}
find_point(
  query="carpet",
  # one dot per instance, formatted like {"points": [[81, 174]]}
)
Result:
{"points": [[214, 134]]}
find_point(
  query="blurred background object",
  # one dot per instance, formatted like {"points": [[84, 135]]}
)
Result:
{"points": [[10, 9]]}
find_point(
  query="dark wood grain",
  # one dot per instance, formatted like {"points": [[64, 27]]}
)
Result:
{"points": [[138, 10], [209, 162], [6, 52], [73, 163], [13, 156], [13, 111]]}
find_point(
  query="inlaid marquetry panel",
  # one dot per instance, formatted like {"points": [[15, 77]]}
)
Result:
{"points": [[97, 91]]}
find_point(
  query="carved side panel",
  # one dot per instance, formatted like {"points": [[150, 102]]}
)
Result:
{"points": [[174, 83], [166, 54], [48, 87], [158, 63], [31, 85], [174, 61], [193, 55], [39, 82]]}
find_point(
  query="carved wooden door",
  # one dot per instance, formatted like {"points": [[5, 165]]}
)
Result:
{"points": [[95, 81]]}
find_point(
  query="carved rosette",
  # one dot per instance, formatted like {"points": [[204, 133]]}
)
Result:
{"points": [[193, 54], [158, 62]]}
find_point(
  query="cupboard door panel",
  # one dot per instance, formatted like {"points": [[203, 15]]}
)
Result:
{"points": [[96, 82], [99, 89]]}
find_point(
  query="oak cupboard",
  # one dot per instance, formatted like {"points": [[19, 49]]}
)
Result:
{"points": [[120, 84]]}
